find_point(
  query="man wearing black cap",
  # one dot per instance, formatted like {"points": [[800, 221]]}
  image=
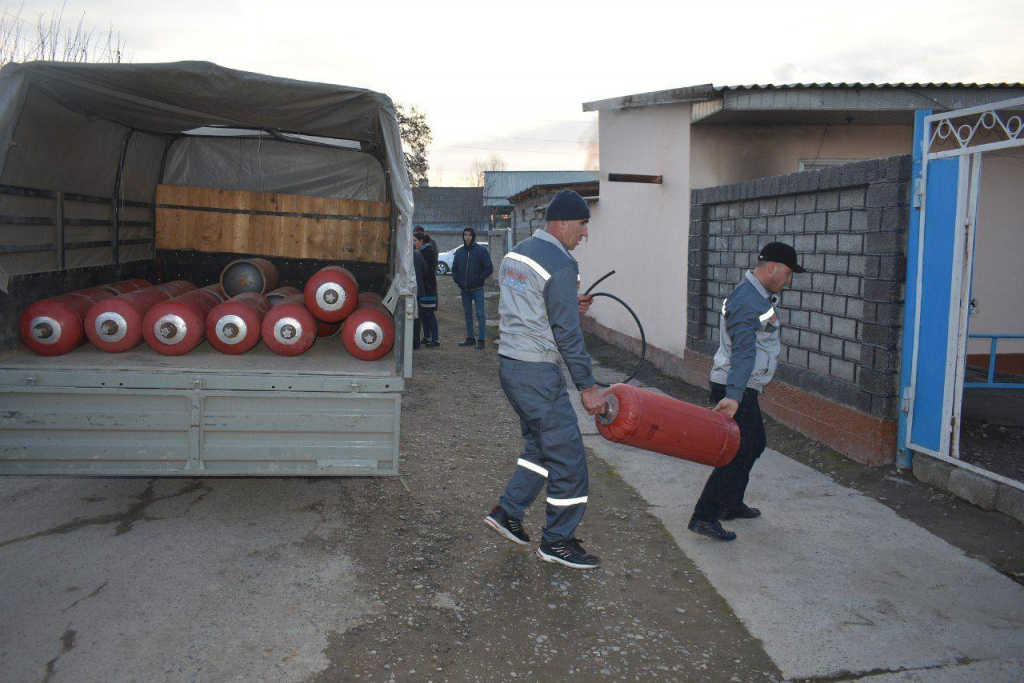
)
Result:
{"points": [[540, 321], [747, 356]]}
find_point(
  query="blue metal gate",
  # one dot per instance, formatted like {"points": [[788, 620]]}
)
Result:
{"points": [[948, 151]]}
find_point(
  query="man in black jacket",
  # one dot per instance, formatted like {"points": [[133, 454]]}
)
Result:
{"points": [[471, 267]]}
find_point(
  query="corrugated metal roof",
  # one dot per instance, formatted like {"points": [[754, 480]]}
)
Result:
{"points": [[707, 92], [584, 187], [873, 86], [449, 205], [500, 185]]}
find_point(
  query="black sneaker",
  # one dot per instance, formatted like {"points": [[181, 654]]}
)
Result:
{"points": [[469, 342], [479, 344], [741, 512], [509, 527], [569, 553], [710, 529], [432, 344]]}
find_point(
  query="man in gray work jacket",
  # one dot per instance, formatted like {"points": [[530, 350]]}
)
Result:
{"points": [[540, 320], [747, 356]]}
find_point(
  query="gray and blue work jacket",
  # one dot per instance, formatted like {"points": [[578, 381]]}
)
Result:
{"points": [[540, 318], [748, 350]]}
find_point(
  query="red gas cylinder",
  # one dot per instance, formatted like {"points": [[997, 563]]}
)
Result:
{"points": [[115, 325], [280, 294], [177, 326], [289, 329], [234, 326], [369, 333], [332, 294], [53, 327], [658, 423], [370, 298], [327, 330], [248, 275]]}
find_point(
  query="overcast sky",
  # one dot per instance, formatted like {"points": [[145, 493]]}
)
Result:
{"points": [[509, 78]]}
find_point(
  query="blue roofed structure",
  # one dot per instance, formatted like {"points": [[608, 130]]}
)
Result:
{"points": [[500, 185]]}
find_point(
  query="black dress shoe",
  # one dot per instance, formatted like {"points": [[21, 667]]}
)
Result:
{"points": [[710, 529], [741, 512]]}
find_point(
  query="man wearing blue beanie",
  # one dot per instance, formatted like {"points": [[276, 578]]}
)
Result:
{"points": [[540, 321]]}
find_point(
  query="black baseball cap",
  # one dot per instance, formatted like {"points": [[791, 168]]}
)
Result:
{"points": [[780, 252]]}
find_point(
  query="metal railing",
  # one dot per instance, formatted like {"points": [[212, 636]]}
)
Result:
{"points": [[990, 382]]}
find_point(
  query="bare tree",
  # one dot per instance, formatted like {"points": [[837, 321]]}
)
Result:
{"points": [[48, 38], [477, 170], [416, 137]]}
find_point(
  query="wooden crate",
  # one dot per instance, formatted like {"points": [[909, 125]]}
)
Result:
{"points": [[270, 224]]}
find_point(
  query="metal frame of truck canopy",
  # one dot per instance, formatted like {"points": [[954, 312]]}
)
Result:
{"points": [[92, 131]]}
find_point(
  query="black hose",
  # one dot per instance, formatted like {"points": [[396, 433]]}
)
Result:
{"points": [[639, 325], [599, 281]]}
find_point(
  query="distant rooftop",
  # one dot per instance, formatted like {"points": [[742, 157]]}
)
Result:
{"points": [[500, 185], [449, 205], [816, 103], [587, 188]]}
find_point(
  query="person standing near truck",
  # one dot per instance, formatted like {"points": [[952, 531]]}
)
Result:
{"points": [[745, 363], [427, 297], [540, 321], [471, 266]]}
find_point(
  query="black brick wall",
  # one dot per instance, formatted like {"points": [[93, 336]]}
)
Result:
{"points": [[841, 320]]}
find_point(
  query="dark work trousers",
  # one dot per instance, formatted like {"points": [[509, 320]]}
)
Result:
{"points": [[553, 453], [726, 485]]}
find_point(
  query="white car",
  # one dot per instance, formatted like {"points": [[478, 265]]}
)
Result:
{"points": [[445, 258]]}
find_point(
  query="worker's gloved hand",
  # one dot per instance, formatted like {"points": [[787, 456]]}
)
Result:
{"points": [[593, 401], [727, 407], [584, 301]]}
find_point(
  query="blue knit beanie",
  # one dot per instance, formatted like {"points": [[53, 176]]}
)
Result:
{"points": [[567, 206]]}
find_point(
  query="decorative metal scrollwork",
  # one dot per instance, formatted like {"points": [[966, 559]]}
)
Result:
{"points": [[989, 127]]}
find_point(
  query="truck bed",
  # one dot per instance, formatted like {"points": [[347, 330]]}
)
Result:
{"points": [[201, 414], [326, 363]]}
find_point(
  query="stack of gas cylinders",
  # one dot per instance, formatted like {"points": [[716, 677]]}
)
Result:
{"points": [[245, 307]]}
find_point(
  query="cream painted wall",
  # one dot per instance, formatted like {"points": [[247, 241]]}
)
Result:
{"points": [[721, 155], [999, 249], [640, 230]]}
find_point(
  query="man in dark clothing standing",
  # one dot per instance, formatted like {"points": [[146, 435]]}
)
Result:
{"points": [[540, 323], [471, 267], [427, 296], [745, 363]]}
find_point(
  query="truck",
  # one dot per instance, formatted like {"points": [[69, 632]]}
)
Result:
{"points": [[171, 171]]}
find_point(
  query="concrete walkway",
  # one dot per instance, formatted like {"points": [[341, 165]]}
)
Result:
{"points": [[834, 583]]}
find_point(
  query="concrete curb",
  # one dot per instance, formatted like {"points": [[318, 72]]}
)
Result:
{"points": [[974, 488]]}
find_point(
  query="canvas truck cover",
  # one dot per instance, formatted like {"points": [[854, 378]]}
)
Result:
{"points": [[63, 125]]}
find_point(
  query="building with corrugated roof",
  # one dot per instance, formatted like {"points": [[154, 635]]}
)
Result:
{"points": [[530, 205], [695, 180], [500, 185], [445, 212]]}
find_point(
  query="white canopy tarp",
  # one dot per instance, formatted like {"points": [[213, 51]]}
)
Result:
{"points": [[62, 126]]}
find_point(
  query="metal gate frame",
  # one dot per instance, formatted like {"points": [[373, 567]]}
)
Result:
{"points": [[958, 135]]}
